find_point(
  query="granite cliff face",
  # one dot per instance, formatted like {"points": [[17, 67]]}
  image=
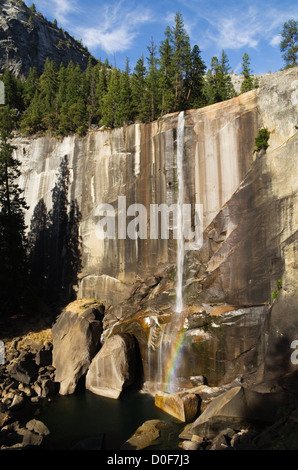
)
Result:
{"points": [[231, 326], [27, 39]]}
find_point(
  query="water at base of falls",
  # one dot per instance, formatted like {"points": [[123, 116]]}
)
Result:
{"points": [[82, 415]]}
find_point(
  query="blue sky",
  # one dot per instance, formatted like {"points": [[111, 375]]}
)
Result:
{"points": [[117, 29]]}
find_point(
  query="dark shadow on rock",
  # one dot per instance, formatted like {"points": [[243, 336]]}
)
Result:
{"points": [[54, 245], [38, 240]]}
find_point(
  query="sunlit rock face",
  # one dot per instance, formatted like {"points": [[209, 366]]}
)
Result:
{"points": [[113, 369], [249, 222]]}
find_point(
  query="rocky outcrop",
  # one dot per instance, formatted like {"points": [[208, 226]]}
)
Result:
{"points": [[243, 419], [27, 377], [27, 39], [76, 339], [183, 406], [113, 369], [240, 405], [153, 432], [33, 435], [24, 378]]}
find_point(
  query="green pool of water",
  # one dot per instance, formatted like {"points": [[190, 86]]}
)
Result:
{"points": [[83, 415]]}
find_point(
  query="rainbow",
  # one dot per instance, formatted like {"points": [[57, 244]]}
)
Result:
{"points": [[173, 360]]}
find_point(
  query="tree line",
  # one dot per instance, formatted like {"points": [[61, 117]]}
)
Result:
{"points": [[173, 77]]}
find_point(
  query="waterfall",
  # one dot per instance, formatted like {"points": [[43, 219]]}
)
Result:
{"points": [[175, 326], [166, 339], [180, 200]]}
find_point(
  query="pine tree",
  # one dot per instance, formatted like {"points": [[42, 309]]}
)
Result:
{"points": [[138, 85], [90, 92], [30, 86], [111, 100], [101, 79], [248, 82], [218, 84], [289, 43], [61, 88], [47, 96], [13, 91], [181, 60], [48, 86], [166, 74], [124, 111], [73, 115], [195, 80], [227, 87], [31, 121], [13, 255], [152, 79]]}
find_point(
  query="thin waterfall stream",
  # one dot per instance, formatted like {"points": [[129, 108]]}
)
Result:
{"points": [[180, 225], [166, 338]]}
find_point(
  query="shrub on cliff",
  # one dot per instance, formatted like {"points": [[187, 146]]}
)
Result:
{"points": [[261, 141]]}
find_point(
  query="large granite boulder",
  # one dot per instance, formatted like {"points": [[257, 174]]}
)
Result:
{"points": [[239, 407], [183, 406], [113, 368], [76, 339], [154, 432], [23, 368]]}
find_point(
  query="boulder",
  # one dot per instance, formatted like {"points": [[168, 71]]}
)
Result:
{"points": [[18, 402], [14, 436], [182, 405], [44, 356], [4, 418], [38, 427], [23, 369], [239, 407], [223, 440], [76, 339], [152, 432], [113, 368]]}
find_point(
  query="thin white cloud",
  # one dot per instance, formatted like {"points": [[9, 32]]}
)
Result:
{"points": [[118, 26], [62, 8], [235, 34], [244, 29], [240, 24], [59, 9], [275, 41]]}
